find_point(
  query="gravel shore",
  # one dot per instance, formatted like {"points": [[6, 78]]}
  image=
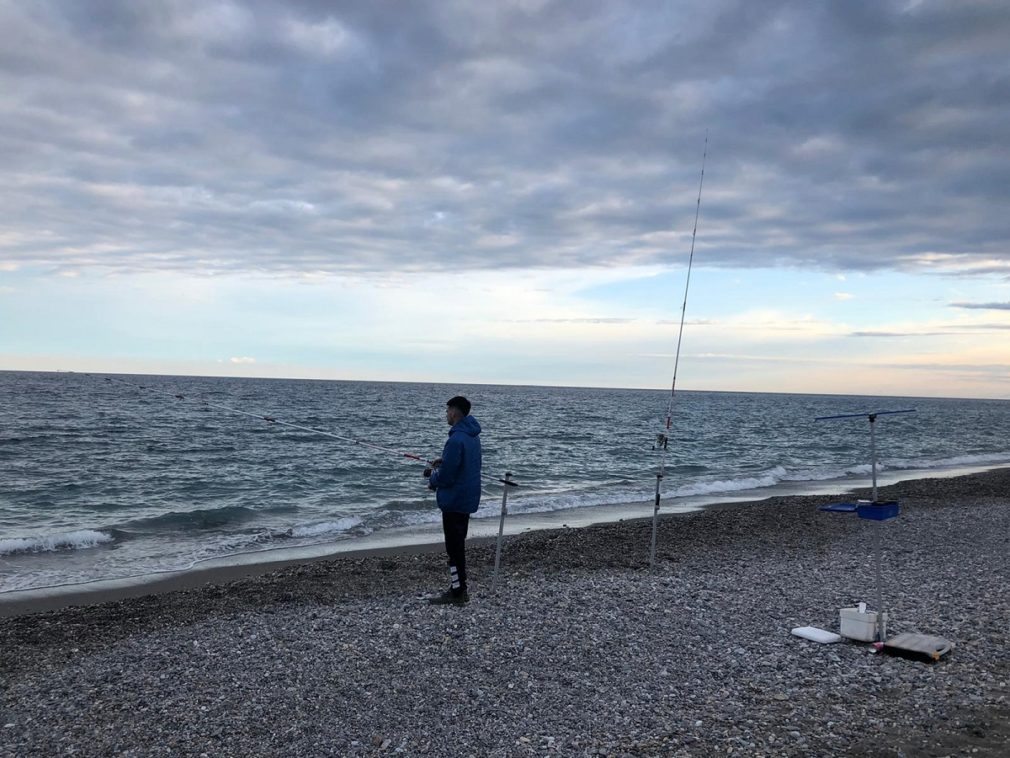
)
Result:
{"points": [[582, 651]]}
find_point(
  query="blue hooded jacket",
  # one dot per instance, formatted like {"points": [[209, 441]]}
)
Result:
{"points": [[457, 481]]}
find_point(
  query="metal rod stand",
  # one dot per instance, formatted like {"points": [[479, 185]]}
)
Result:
{"points": [[873, 455], [880, 581], [877, 539], [655, 522], [877, 536], [501, 529]]}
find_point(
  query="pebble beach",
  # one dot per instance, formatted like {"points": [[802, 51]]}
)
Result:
{"points": [[581, 650]]}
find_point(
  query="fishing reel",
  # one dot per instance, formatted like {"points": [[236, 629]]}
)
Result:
{"points": [[661, 442]]}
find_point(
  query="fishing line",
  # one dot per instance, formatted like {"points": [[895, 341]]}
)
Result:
{"points": [[663, 438], [300, 427]]}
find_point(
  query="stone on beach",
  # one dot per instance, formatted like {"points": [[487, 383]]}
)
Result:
{"points": [[582, 651]]}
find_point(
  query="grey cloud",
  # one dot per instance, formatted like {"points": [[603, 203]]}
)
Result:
{"points": [[983, 306], [895, 334], [576, 321], [967, 328], [947, 330], [988, 371], [336, 136]]}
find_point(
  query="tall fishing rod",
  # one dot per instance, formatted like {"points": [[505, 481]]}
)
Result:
{"points": [[663, 438], [274, 420]]}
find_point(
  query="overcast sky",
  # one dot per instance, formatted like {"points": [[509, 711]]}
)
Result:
{"points": [[505, 192]]}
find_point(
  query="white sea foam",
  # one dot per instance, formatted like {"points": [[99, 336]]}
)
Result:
{"points": [[826, 473], [548, 501], [595, 496], [326, 527], [420, 518], [49, 543], [957, 460], [768, 479]]}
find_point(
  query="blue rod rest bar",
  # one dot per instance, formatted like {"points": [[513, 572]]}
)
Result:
{"points": [[861, 415]]}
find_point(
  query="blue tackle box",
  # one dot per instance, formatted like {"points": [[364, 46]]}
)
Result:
{"points": [[877, 510]]}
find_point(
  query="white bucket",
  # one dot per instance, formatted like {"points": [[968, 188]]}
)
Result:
{"points": [[856, 624]]}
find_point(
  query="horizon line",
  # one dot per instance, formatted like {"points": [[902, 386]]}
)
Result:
{"points": [[492, 384]]}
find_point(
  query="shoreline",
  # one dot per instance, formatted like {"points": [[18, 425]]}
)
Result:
{"points": [[581, 651], [418, 541], [69, 596]]}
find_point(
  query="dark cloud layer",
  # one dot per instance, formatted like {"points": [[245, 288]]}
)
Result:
{"points": [[328, 136]]}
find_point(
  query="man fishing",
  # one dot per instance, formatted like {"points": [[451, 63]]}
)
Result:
{"points": [[455, 477]]}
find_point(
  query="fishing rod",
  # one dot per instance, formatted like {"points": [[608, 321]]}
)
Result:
{"points": [[663, 438], [274, 420]]}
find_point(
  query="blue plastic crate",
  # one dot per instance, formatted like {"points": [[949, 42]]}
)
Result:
{"points": [[839, 507], [878, 511]]}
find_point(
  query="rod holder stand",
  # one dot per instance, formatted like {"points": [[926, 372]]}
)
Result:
{"points": [[507, 481]]}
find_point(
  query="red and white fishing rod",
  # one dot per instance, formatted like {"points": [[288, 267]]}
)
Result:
{"points": [[663, 438]]}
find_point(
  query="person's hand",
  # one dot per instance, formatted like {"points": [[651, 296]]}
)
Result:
{"points": [[436, 463]]}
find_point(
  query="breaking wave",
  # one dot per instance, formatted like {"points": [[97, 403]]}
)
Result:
{"points": [[324, 528], [50, 543]]}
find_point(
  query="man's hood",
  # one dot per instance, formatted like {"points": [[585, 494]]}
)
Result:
{"points": [[467, 425]]}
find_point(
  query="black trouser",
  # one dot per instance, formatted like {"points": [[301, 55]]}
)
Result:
{"points": [[455, 525]]}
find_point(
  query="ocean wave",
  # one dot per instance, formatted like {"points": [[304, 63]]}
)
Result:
{"points": [[429, 516], [573, 499], [980, 459], [768, 479], [339, 526], [239, 542], [828, 473], [585, 497], [416, 504], [588, 497], [202, 518], [49, 543]]}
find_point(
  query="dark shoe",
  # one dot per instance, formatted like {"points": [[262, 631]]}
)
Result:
{"points": [[449, 598]]}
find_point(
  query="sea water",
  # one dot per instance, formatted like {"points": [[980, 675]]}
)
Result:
{"points": [[101, 479]]}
